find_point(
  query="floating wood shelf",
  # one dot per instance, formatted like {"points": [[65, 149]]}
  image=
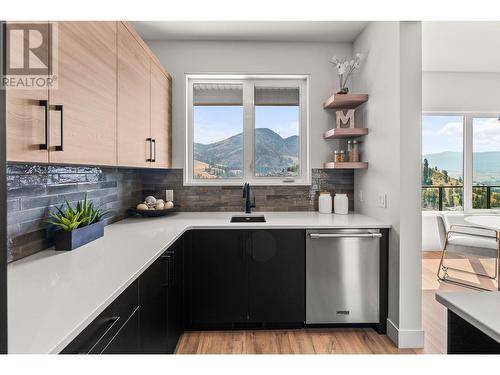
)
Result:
{"points": [[346, 165], [345, 101], [345, 133]]}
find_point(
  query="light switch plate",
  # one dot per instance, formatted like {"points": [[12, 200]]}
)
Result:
{"points": [[382, 200], [360, 195], [169, 195]]}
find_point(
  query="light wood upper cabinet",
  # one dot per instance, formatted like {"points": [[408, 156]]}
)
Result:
{"points": [[26, 123], [161, 117], [87, 93], [112, 96], [134, 127]]}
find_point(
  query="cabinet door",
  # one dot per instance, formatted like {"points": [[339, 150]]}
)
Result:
{"points": [[26, 123], [153, 296], [134, 128], [87, 92], [216, 279], [276, 283], [161, 115], [175, 296]]}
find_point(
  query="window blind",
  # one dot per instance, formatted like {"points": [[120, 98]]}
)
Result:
{"points": [[277, 96], [217, 94]]}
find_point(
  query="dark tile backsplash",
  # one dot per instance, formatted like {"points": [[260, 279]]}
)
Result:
{"points": [[34, 190], [229, 198]]}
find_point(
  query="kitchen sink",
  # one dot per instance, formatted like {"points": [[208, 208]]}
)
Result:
{"points": [[248, 219]]}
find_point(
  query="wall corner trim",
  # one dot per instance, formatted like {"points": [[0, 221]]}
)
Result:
{"points": [[405, 338]]}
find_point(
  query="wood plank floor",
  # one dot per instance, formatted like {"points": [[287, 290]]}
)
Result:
{"points": [[343, 340]]}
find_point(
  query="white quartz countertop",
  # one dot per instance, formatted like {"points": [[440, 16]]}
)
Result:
{"points": [[481, 309], [53, 296]]}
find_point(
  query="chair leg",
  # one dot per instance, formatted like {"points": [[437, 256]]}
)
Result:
{"points": [[497, 266], [441, 267]]}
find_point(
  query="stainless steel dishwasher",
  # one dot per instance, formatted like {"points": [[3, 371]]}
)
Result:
{"points": [[342, 276]]}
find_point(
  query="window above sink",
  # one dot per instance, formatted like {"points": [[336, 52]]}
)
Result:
{"points": [[247, 128]]}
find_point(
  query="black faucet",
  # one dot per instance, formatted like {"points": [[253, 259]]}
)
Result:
{"points": [[246, 195]]}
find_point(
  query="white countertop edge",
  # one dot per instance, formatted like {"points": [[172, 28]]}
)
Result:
{"points": [[441, 297]]}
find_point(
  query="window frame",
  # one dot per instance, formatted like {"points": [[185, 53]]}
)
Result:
{"points": [[248, 82], [467, 172]]}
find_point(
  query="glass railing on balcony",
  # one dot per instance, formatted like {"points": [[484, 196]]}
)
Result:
{"points": [[450, 197]]}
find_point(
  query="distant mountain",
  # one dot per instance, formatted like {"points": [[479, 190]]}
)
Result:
{"points": [[272, 152], [486, 164], [448, 160]]}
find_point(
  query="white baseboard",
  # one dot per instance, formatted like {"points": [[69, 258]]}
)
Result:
{"points": [[405, 338]]}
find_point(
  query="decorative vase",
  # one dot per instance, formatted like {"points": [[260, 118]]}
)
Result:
{"points": [[343, 91], [78, 237]]}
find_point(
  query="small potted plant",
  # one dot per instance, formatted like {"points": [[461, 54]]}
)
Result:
{"points": [[77, 226], [345, 68]]}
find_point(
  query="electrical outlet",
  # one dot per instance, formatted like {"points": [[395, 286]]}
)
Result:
{"points": [[169, 195], [382, 200]]}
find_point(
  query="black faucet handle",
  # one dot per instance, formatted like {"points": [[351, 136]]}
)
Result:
{"points": [[245, 189]]}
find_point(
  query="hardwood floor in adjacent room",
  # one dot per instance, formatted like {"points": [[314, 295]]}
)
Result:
{"points": [[343, 340]]}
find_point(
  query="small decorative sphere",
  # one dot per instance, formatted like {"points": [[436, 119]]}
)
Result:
{"points": [[142, 206], [159, 205], [169, 204], [150, 200]]}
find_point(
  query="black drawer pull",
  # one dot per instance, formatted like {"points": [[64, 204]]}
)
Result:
{"points": [[107, 325], [45, 105], [59, 108]]}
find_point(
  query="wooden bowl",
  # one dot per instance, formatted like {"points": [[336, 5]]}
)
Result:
{"points": [[151, 213]]}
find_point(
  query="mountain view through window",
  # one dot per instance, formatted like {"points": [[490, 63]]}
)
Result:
{"points": [[219, 135], [442, 162], [486, 162]]}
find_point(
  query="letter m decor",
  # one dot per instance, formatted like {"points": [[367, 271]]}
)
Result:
{"points": [[345, 119]]}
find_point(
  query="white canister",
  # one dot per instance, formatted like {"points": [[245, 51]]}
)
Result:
{"points": [[341, 204], [325, 203]]}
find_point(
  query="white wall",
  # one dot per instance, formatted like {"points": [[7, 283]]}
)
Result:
{"points": [[455, 91], [391, 75], [255, 57]]}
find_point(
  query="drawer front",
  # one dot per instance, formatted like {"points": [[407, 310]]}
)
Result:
{"points": [[98, 334]]}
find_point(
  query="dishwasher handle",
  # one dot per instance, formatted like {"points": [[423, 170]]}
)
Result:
{"points": [[344, 235]]}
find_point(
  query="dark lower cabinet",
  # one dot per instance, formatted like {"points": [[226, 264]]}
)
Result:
{"points": [[245, 278], [153, 315], [160, 302], [175, 308], [215, 279], [115, 330], [276, 278]]}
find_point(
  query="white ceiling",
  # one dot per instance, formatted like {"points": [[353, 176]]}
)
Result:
{"points": [[289, 31], [461, 46]]}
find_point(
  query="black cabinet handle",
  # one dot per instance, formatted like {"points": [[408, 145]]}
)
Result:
{"points": [[153, 142], [106, 326], [169, 268], [45, 105], [59, 108], [150, 140]]}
